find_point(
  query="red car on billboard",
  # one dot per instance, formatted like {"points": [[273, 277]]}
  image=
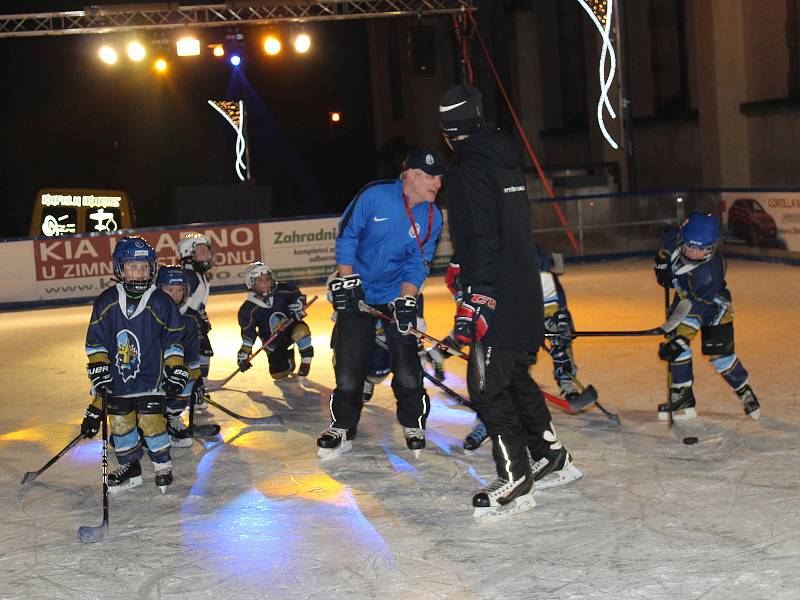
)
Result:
{"points": [[747, 219]]}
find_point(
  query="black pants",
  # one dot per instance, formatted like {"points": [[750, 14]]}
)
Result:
{"points": [[354, 344], [511, 405]]}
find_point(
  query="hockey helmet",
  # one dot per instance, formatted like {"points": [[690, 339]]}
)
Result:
{"points": [[134, 249], [187, 251], [698, 236], [173, 275], [253, 272]]}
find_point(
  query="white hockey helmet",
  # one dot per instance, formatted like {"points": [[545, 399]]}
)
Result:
{"points": [[187, 247], [256, 270]]}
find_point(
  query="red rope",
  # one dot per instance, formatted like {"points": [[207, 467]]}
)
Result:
{"points": [[548, 188]]}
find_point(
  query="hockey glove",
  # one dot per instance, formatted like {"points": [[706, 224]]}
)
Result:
{"points": [[475, 314], [346, 292], [561, 326], [91, 421], [452, 278], [663, 269], [243, 358], [100, 376], [404, 310], [673, 349], [296, 308], [176, 379]]}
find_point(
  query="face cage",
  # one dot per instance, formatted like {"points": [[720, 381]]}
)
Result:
{"points": [[708, 252], [201, 266], [135, 287], [185, 292], [251, 285]]}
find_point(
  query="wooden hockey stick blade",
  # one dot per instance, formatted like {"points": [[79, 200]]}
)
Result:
{"points": [[270, 420]]}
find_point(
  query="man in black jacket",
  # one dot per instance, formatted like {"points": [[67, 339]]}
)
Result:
{"points": [[501, 314]]}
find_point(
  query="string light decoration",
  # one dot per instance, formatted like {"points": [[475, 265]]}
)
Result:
{"points": [[601, 12], [233, 113]]}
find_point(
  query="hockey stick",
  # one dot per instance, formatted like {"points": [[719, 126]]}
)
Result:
{"points": [[366, 308], [86, 533], [670, 420], [673, 320], [270, 420], [32, 475], [272, 338], [204, 430], [591, 392]]}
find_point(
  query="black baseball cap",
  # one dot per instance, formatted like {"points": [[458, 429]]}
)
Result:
{"points": [[461, 111], [424, 159]]}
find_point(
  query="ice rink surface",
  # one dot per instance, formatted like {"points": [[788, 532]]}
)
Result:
{"points": [[254, 514]]}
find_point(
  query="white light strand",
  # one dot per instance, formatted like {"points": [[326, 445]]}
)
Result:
{"points": [[607, 52], [239, 129]]}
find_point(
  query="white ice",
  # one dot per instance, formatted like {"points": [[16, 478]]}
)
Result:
{"points": [[254, 514]]}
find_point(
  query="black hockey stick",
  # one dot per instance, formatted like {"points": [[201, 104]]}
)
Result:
{"points": [[590, 396], [270, 420], [673, 320], [86, 533], [32, 475], [205, 430]]}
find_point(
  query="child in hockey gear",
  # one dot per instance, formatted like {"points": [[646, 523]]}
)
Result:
{"points": [[688, 261], [135, 348], [171, 279], [197, 257], [386, 241], [269, 306], [502, 310]]}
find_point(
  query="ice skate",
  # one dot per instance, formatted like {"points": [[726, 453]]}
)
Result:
{"points": [[436, 358], [334, 441], [126, 477], [683, 405], [200, 399], [179, 434], [304, 369], [163, 475], [503, 498], [415, 439], [748, 398], [554, 470], [366, 394], [476, 438]]}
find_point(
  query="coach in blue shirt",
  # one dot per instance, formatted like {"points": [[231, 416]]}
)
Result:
{"points": [[387, 238]]}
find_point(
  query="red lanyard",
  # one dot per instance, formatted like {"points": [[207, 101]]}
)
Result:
{"points": [[414, 227]]}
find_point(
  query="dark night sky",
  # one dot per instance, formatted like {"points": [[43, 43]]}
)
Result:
{"points": [[69, 120]]}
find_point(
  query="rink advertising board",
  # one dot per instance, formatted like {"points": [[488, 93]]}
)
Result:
{"points": [[762, 219]]}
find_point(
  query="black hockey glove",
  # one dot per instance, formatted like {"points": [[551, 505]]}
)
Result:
{"points": [[663, 269], [474, 316], [673, 349], [176, 379], [206, 323], [91, 421], [404, 310], [296, 308], [560, 326], [243, 359], [100, 376], [346, 292]]}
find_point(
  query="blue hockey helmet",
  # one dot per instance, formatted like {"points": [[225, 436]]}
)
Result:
{"points": [[134, 248], [698, 236], [173, 275]]}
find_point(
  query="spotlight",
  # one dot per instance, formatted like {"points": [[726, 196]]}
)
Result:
{"points": [[272, 45], [302, 43], [188, 46], [236, 60], [336, 118], [161, 65], [136, 51], [218, 50], [108, 55]]}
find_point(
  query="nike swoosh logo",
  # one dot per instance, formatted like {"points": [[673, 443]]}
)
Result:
{"points": [[377, 220], [451, 106]]}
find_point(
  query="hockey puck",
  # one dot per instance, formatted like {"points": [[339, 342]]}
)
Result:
{"points": [[690, 440]]}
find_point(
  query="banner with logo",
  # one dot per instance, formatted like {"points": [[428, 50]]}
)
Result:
{"points": [[762, 219]]}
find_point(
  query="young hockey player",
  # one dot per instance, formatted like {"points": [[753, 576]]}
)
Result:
{"points": [[197, 257], [688, 261], [269, 306], [171, 279], [134, 344]]}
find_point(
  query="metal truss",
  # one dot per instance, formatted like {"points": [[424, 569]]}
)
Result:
{"points": [[168, 15]]}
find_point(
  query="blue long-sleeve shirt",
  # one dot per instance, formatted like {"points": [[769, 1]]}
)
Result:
{"points": [[376, 238]]}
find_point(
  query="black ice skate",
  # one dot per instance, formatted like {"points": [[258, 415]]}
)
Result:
{"points": [[179, 434], [334, 442], [304, 369], [748, 398], [163, 479], [415, 439], [503, 498], [682, 401], [126, 477], [476, 437], [554, 469]]}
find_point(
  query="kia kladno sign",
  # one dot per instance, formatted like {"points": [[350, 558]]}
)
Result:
{"points": [[64, 211]]}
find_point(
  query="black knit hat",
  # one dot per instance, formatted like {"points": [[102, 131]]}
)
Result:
{"points": [[461, 111]]}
